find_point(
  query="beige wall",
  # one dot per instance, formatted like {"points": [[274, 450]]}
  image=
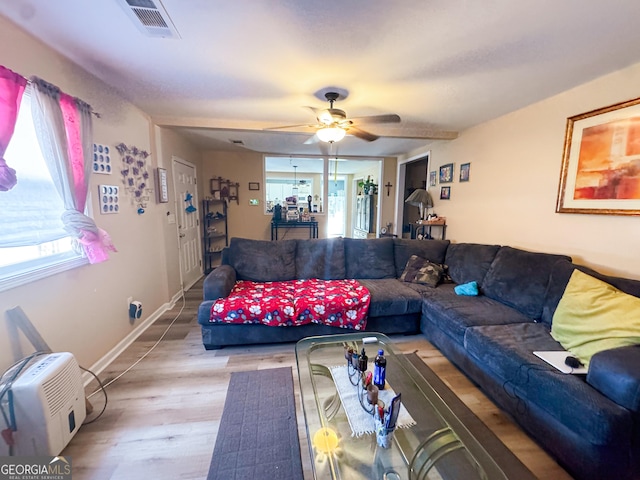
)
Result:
{"points": [[84, 310], [515, 168]]}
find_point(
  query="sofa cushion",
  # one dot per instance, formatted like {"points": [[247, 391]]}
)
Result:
{"points": [[369, 258], [320, 258], [420, 270], [506, 352], [390, 296], [593, 316], [469, 262], [560, 275], [519, 279], [432, 250], [615, 373], [262, 260], [453, 313]]}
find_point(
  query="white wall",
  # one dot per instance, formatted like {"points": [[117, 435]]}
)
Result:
{"points": [[84, 310], [515, 169]]}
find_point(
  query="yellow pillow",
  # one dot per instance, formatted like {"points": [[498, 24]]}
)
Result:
{"points": [[593, 316]]}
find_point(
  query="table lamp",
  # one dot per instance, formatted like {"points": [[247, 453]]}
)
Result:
{"points": [[420, 198]]}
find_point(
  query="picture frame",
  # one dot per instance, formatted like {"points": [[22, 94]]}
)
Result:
{"points": [[599, 162], [465, 170], [433, 176], [445, 193], [446, 173], [162, 187], [254, 186]]}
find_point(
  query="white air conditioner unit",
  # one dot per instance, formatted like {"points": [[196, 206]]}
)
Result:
{"points": [[49, 405]]}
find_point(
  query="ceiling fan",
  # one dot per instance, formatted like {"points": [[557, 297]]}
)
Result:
{"points": [[333, 124]]}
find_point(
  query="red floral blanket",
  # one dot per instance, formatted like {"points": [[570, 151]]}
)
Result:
{"points": [[338, 303]]}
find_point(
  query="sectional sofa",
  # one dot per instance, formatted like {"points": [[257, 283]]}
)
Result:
{"points": [[589, 423]]}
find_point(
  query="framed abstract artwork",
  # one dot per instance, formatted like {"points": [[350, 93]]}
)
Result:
{"points": [[445, 193], [433, 176], [465, 170], [600, 171], [446, 173]]}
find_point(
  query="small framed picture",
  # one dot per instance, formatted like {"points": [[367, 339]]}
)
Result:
{"points": [[254, 202], [433, 176], [446, 173], [465, 169], [254, 186], [161, 185], [445, 193]]}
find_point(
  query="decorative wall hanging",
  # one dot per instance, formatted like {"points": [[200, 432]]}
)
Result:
{"points": [[102, 159], [161, 185], [446, 173], [135, 176], [465, 170], [223, 189], [445, 193], [254, 186], [109, 199], [433, 176], [600, 165], [189, 199]]}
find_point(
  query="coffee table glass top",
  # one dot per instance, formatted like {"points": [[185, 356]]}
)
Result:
{"points": [[438, 446]]}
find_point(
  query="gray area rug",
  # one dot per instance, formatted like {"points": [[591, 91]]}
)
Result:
{"points": [[258, 434]]}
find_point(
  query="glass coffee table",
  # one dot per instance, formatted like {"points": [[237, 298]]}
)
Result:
{"points": [[438, 446]]}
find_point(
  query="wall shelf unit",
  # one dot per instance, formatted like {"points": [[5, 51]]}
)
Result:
{"points": [[215, 235]]}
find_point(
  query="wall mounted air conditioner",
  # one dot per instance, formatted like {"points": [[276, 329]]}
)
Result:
{"points": [[49, 405]]}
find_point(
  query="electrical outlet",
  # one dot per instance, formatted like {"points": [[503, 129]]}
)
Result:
{"points": [[129, 300]]}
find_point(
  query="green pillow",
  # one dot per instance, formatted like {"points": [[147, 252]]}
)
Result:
{"points": [[422, 271], [593, 316]]}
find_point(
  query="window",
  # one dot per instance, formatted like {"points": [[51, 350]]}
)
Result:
{"points": [[287, 177], [30, 212]]}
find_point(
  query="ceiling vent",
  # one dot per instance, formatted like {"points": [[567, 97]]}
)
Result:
{"points": [[150, 18]]}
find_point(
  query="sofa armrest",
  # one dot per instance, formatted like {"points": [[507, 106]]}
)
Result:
{"points": [[616, 374], [219, 282]]}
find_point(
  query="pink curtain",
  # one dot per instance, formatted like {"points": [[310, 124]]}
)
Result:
{"points": [[64, 131], [12, 87]]}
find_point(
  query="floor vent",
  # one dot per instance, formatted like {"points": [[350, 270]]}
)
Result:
{"points": [[150, 18]]}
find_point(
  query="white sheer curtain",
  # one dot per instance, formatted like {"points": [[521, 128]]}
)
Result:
{"points": [[65, 136]]}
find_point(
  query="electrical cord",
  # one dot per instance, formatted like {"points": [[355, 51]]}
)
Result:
{"points": [[146, 353], [104, 391]]}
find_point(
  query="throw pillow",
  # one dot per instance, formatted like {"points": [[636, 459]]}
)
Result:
{"points": [[593, 316], [422, 271], [468, 289]]}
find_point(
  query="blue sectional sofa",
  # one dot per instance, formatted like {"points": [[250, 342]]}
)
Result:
{"points": [[589, 423]]}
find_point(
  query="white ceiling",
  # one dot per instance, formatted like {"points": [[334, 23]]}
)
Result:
{"points": [[242, 66]]}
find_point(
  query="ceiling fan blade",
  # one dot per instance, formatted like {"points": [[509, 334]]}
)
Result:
{"points": [[312, 140], [357, 132], [300, 125], [387, 118]]}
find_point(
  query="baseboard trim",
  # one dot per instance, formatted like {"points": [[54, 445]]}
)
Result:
{"points": [[110, 356]]}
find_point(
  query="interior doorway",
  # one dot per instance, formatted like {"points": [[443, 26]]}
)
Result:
{"points": [[412, 174]]}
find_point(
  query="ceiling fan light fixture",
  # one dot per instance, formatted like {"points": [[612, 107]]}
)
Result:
{"points": [[331, 134]]}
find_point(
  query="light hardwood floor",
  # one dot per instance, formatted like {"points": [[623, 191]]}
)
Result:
{"points": [[162, 417]]}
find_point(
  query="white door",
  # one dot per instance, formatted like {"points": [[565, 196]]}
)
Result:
{"points": [[184, 179]]}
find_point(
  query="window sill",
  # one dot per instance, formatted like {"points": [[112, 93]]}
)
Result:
{"points": [[52, 266]]}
